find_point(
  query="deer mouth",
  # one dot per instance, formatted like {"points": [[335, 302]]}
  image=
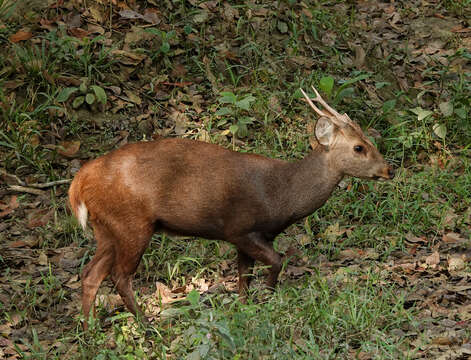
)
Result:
{"points": [[387, 174]]}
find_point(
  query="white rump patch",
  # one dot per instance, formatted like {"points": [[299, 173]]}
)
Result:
{"points": [[82, 214]]}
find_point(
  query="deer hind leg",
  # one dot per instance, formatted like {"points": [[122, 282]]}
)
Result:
{"points": [[245, 263], [131, 246], [96, 270], [256, 247]]}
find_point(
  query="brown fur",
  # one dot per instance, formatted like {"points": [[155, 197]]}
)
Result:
{"points": [[195, 188]]}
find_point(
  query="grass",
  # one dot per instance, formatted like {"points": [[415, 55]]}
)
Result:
{"points": [[343, 308]]}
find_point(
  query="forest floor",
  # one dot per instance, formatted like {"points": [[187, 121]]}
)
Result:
{"points": [[382, 271]]}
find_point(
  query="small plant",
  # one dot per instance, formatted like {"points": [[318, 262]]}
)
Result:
{"points": [[326, 84], [90, 94], [36, 62], [235, 110], [205, 329], [6, 9], [89, 57], [165, 38], [20, 135]]}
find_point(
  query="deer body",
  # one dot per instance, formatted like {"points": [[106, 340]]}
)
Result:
{"points": [[194, 188]]}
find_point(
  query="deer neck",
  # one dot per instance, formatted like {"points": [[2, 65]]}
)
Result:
{"points": [[313, 179]]}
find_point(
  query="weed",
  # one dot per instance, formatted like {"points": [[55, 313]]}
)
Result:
{"points": [[235, 108]]}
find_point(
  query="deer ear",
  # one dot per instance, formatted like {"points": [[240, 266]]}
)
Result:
{"points": [[325, 131]]}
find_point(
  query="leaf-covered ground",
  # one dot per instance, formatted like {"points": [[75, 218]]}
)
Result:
{"points": [[381, 271]]}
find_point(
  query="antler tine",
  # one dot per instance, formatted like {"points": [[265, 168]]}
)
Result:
{"points": [[309, 101], [324, 104]]}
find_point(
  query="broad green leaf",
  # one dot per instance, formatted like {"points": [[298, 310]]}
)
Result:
{"points": [[327, 84], [245, 102], [171, 313], [352, 81], [381, 84], [170, 35], [283, 27], [83, 86], [99, 93], [120, 316], [221, 122], [195, 355], [165, 47], [344, 93], [227, 97], [224, 111], [421, 113], [203, 349], [187, 29], [193, 297], [446, 108], [233, 129], [78, 101], [225, 334], [90, 98], [201, 17], [246, 120], [65, 93], [154, 31], [440, 130], [242, 131], [461, 112], [389, 105]]}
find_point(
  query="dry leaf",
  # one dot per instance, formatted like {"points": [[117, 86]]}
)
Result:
{"points": [[333, 232], [42, 258], [78, 33], [179, 71], [97, 13], [163, 293], [128, 57], [415, 239], [133, 97], [10, 207], [74, 283], [452, 237], [130, 14], [303, 239], [95, 29], [407, 268], [28, 241], [109, 301], [39, 217], [69, 148], [456, 263], [21, 36], [443, 340], [360, 56], [433, 260], [152, 16], [200, 284], [350, 254]]}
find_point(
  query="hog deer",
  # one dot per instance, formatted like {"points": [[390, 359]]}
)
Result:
{"points": [[195, 188]]}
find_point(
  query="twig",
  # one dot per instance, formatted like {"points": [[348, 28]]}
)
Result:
{"points": [[37, 185], [50, 183], [26, 189], [16, 178]]}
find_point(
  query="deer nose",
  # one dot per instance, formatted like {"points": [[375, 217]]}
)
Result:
{"points": [[391, 172]]}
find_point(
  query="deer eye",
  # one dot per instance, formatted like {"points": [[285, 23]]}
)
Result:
{"points": [[358, 148]]}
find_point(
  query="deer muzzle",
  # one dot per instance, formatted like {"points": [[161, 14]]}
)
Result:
{"points": [[386, 173]]}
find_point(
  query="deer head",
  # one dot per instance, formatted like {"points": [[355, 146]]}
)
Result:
{"points": [[349, 150]]}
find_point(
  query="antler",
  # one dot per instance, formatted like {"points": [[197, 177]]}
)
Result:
{"points": [[324, 104], [309, 101], [331, 113]]}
